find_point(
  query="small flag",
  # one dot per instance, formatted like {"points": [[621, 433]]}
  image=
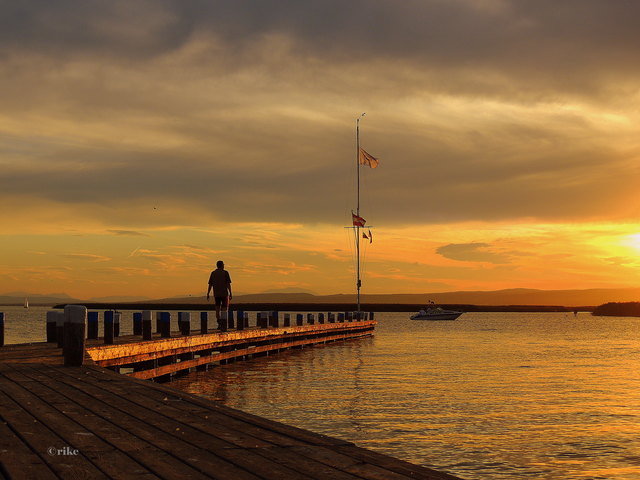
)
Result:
{"points": [[365, 159], [358, 221], [364, 235], [370, 237]]}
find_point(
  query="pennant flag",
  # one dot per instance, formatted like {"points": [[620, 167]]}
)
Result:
{"points": [[365, 159], [364, 235], [370, 237], [358, 221]]}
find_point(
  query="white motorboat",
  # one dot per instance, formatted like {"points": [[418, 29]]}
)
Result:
{"points": [[436, 313]]}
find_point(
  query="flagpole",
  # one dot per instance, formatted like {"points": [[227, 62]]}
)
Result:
{"points": [[358, 282]]}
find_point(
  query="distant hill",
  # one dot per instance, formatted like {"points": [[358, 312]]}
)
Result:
{"points": [[518, 296]]}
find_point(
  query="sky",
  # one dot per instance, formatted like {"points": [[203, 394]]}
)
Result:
{"points": [[142, 141]]}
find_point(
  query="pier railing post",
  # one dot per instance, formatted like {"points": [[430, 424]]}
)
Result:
{"points": [[299, 319], [75, 321], [230, 323], [341, 317], [116, 324], [321, 318], [184, 319], [246, 319], [165, 324], [137, 323], [146, 325], [275, 319], [60, 329], [158, 322], [92, 325], [240, 320], [204, 322], [108, 327], [332, 317], [52, 316], [371, 316], [287, 320], [222, 324], [311, 319], [1, 329]]}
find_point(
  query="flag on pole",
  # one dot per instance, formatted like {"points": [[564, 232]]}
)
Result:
{"points": [[358, 221], [370, 237], [364, 235], [365, 159]]}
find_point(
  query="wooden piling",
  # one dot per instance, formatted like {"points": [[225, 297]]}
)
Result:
{"points": [[240, 320], [287, 320], [1, 329], [246, 319], [299, 319], [275, 319], [52, 315], [146, 325], [158, 322], [108, 327], [222, 323], [137, 323], [341, 317], [75, 321], [332, 317], [116, 323], [165, 324], [204, 322], [184, 320], [321, 318], [311, 320], [230, 322], [60, 329], [92, 325]]}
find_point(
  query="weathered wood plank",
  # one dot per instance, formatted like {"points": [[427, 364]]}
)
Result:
{"points": [[16, 457]]}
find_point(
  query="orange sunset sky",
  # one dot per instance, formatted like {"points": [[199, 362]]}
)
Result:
{"points": [[142, 141]]}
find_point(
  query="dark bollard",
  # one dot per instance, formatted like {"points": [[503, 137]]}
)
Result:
{"points": [[371, 315], [275, 319], [246, 319], [287, 320], [204, 322], [222, 323], [116, 324], [321, 318], [137, 323], [75, 321], [158, 322], [230, 323], [92, 325], [240, 320], [299, 319], [341, 317], [259, 323], [108, 327], [165, 324], [146, 325], [60, 328], [1, 329], [51, 326], [311, 318], [184, 320], [332, 317]]}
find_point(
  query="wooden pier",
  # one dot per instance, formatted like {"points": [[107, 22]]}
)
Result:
{"points": [[90, 422]]}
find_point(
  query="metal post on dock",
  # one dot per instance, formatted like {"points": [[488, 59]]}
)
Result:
{"points": [[52, 316], [158, 322], [92, 325], [321, 318], [341, 317], [137, 323], [108, 327], [371, 315], [230, 323], [246, 319], [332, 317], [75, 321], [240, 320], [184, 320], [311, 318], [287, 320], [299, 319], [1, 329], [165, 324], [146, 325], [204, 322], [60, 328], [275, 319]]}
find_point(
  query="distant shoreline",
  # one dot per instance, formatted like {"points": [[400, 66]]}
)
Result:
{"points": [[329, 307]]}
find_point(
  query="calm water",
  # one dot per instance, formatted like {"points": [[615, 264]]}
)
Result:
{"points": [[489, 396]]}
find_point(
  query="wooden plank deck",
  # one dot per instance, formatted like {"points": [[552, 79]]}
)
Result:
{"points": [[88, 422]]}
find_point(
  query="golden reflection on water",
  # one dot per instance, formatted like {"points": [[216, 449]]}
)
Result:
{"points": [[491, 396]]}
